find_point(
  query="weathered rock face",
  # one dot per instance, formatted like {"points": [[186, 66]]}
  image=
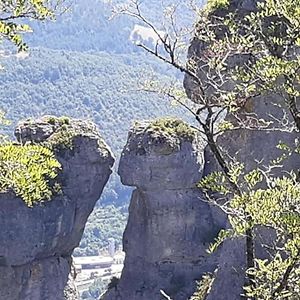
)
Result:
{"points": [[169, 226], [252, 147], [37, 243]]}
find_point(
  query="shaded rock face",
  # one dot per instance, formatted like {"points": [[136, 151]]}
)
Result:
{"points": [[37, 243], [169, 226]]}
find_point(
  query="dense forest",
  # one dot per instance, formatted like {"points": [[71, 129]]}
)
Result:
{"points": [[90, 25]]}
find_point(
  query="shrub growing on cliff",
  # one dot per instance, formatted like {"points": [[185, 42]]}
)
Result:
{"points": [[29, 171], [213, 5], [113, 284], [172, 127]]}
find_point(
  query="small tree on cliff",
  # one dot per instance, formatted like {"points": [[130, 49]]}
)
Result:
{"points": [[245, 55]]}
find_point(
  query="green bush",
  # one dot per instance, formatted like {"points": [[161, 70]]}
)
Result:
{"points": [[213, 5], [29, 171], [172, 127]]}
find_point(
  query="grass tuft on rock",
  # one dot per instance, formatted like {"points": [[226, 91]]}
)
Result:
{"points": [[57, 120], [172, 127]]}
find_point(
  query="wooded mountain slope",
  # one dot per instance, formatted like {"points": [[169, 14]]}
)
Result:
{"points": [[98, 86]]}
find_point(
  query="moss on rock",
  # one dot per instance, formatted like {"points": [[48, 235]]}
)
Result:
{"points": [[61, 139], [57, 120]]}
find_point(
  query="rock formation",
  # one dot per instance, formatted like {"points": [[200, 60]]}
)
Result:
{"points": [[252, 147], [169, 226], [37, 243], [161, 252]]}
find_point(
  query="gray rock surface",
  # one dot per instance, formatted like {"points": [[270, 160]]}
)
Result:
{"points": [[252, 147], [37, 243], [169, 226]]}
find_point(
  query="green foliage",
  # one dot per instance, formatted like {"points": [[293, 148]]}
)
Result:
{"points": [[212, 5], [98, 287], [253, 178], [62, 139], [29, 171], [250, 55], [270, 34], [215, 182], [222, 236], [13, 13], [58, 120], [3, 123], [203, 287], [274, 206], [269, 275], [278, 207], [88, 26], [172, 127], [105, 222], [85, 85], [278, 67]]}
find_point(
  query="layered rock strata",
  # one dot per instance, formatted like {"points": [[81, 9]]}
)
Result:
{"points": [[169, 226], [37, 243]]}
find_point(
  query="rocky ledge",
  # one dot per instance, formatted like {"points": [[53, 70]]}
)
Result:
{"points": [[37, 242]]}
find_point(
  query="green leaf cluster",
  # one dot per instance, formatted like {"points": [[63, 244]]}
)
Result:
{"points": [[172, 127], [13, 12], [30, 171], [212, 5], [203, 287], [268, 275]]}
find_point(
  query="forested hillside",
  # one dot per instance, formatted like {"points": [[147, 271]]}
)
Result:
{"points": [[105, 222], [99, 86], [85, 65]]}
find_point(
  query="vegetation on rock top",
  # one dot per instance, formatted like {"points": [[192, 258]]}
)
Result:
{"points": [[171, 127], [62, 139], [213, 5]]}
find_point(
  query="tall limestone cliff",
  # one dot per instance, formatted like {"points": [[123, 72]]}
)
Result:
{"points": [[254, 148], [169, 226], [36, 243]]}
